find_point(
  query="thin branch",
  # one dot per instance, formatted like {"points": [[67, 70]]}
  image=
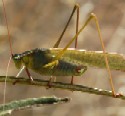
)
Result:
{"points": [[30, 102], [60, 85]]}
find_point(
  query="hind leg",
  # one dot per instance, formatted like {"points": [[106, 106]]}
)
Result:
{"points": [[60, 54]]}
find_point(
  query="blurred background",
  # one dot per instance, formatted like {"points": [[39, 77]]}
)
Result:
{"points": [[38, 24]]}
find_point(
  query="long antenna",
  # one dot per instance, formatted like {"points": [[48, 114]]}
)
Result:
{"points": [[5, 84], [7, 28]]}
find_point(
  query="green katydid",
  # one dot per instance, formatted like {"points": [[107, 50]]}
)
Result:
{"points": [[64, 61]]}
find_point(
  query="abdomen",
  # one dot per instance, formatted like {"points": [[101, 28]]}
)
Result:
{"points": [[63, 68]]}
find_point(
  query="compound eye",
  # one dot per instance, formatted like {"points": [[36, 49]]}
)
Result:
{"points": [[16, 57]]}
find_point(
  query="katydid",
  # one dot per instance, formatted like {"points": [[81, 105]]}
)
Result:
{"points": [[64, 61]]}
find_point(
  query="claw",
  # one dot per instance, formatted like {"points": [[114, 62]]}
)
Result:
{"points": [[118, 95]]}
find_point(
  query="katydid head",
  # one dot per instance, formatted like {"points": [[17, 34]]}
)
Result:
{"points": [[20, 59], [17, 60]]}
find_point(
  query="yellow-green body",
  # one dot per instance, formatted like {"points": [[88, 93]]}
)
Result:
{"points": [[73, 63], [36, 60]]}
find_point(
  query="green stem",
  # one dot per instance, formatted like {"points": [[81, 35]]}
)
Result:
{"points": [[22, 104]]}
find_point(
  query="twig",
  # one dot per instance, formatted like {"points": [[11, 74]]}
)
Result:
{"points": [[66, 86], [30, 102]]}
